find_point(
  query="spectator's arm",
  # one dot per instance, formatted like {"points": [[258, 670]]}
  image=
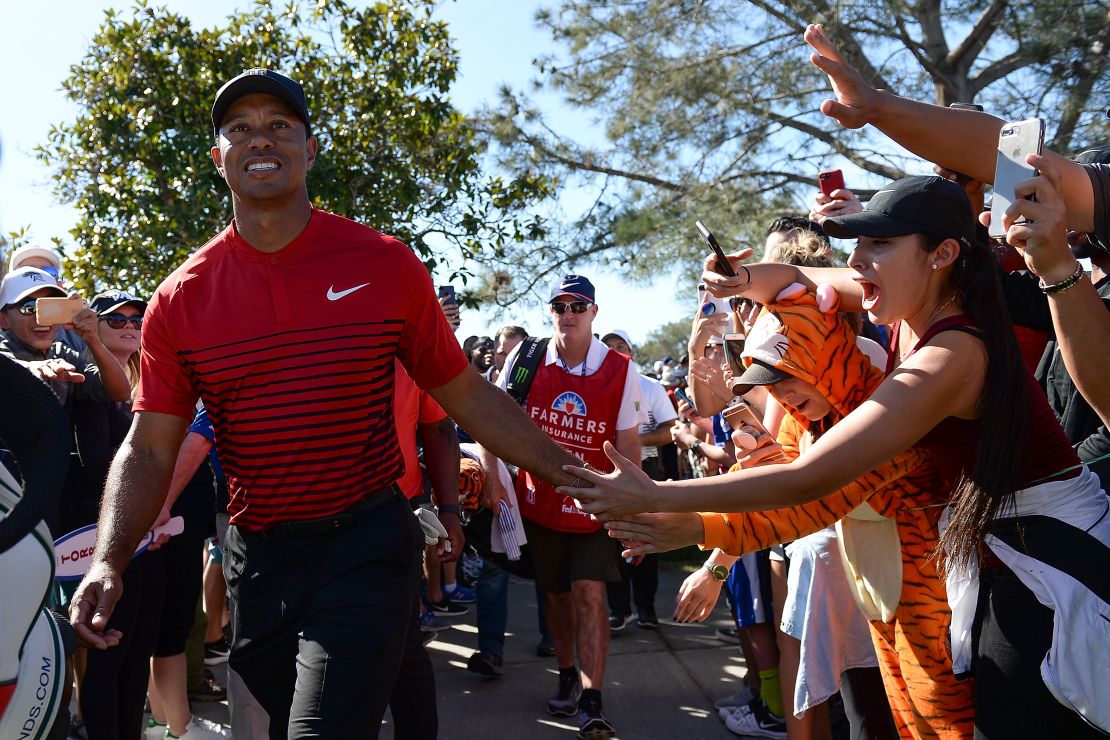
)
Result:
{"points": [[960, 140], [112, 375], [661, 435]]}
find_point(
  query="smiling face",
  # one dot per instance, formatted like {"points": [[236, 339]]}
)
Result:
{"points": [[122, 341], [25, 328], [803, 397], [262, 151], [894, 275]]}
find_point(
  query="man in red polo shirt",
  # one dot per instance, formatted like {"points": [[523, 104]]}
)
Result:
{"points": [[287, 324], [583, 395]]}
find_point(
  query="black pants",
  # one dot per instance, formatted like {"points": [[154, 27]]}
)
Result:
{"points": [[1012, 633], [866, 705], [638, 584], [413, 703], [320, 623], [114, 687]]}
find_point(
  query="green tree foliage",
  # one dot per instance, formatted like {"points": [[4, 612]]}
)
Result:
{"points": [[395, 153], [709, 109], [668, 340]]}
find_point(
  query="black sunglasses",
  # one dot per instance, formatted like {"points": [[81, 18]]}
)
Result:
{"points": [[26, 308], [118, 321], [560, 307]]}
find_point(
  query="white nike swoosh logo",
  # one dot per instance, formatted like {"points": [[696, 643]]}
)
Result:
{"points": [[333, 296]]}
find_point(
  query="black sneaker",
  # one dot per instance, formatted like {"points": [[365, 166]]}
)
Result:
{"points": [[728, 634], [617, 623], [646, 619], [485, 664], [592, 724], [448, 608], [215, 652], [565, 703]]}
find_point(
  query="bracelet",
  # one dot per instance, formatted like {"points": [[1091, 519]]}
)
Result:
{"points": [[449, 508], [747, 274], [1064, 284]]}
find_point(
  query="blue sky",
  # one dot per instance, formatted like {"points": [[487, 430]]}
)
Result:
{"points": [[496, 40]]}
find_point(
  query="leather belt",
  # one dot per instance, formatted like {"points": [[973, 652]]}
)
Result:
{"points": [[308, 528]]}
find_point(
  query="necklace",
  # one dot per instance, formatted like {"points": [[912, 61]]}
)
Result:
{"points": [[940, 308]]}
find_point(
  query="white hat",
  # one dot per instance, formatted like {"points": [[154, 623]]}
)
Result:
{"points": [[34, 250], [618, 333], [21, 283]]}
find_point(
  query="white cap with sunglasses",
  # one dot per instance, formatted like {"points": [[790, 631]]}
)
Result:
{"points": [[24, 282]]}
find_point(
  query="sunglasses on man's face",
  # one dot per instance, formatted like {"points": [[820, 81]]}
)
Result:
{"points": [[560, 307], [118, 321], [26, 308]]}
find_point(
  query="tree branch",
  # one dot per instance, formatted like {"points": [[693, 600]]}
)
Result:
{"points": [[969, 49]]}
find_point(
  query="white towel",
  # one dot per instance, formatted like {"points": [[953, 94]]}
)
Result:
{"points": [[508, 535]]}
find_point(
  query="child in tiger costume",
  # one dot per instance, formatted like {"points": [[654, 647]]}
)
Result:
{"points": [[888, 518]]}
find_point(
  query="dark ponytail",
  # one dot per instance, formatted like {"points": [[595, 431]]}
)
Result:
{"points": [[1003, 408]]}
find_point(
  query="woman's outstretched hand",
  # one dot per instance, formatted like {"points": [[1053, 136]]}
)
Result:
{"points": [[627, 490], [656, 532]]}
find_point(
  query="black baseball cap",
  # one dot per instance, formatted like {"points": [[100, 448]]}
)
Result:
{"points": [[576, 285], [112, 300], [912, 205], [260, 80], [758, 373]]}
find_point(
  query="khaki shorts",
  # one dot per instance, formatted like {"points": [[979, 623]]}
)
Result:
{"points": [[563, 557]]}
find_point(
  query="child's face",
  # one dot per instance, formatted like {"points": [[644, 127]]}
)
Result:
{"points": [[802, 397]]}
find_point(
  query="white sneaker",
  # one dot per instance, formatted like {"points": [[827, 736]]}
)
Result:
{"points": [[757, 723], [155, 730], [200, 728], [725, 712]]}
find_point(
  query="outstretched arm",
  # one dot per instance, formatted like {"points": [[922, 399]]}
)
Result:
{"points": [[942, 379], [493, 418], [960, 140]]}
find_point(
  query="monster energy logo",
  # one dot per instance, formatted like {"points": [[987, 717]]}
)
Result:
{"points": [[520, 374]]}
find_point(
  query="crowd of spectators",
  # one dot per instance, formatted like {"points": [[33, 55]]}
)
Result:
{"points": [[893, 459]]}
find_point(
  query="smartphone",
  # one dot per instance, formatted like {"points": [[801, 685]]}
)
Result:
{"points": [[710, 304], [830, 181], [734, 348], [448, 291], [1016, 141], [54, 311], [681, 396], [741, 415], [723, 265]]}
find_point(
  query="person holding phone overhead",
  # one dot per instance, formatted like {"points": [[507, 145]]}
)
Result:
{"points": [[1016, 534], [95, 374]]}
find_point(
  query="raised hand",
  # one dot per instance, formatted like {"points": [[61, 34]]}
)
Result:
{"points": [[1038, 228], [854, 96], [697, 597]]}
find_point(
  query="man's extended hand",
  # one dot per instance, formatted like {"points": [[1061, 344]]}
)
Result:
{"points": [[93, 604], [56, 370]]}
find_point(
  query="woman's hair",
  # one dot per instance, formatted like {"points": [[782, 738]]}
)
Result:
{"points": [[133, 371], [802, 248], [1003, 408]]}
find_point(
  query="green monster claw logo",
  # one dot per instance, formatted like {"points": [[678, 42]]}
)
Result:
{"points": [[520, 374]]}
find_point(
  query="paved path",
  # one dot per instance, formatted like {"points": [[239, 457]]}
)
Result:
{"points": [[659, 684]]}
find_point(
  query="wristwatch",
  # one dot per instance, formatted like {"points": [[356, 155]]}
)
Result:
{"points": [[720, 572], [450, 508]]}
